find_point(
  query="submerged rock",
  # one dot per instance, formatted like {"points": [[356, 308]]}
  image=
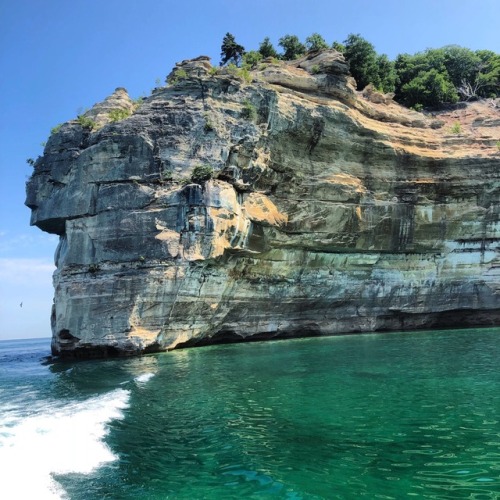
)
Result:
{"points": [[327, 211]]}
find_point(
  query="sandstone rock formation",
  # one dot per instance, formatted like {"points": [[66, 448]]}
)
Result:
{"points": [[329, 211]]}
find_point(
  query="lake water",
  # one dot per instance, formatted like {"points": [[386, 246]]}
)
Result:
{"points": [[396, 415]]}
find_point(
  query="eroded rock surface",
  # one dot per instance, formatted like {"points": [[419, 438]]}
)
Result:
{"points": [[329, 212]]}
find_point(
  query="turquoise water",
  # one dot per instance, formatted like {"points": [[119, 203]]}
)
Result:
{"points": [[396, 415]]}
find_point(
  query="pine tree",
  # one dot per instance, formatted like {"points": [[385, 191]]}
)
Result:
{"points": [[231, 52], [267, 49]]}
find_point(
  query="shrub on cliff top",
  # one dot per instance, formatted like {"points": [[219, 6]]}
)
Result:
{"points": [[251, 59], [56, 129], [339, 47], [180, 74]]}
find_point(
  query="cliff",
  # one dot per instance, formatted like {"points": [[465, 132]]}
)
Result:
{"points": [[329, 211]]}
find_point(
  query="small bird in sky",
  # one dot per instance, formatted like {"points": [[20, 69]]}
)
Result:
{"points": [[21, 304]]}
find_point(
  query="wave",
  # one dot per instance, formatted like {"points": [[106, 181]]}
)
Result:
{"points": [[55, 439], [144, 377]]}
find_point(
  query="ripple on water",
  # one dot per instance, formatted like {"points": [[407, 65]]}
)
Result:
{"points": [[381, 416]]}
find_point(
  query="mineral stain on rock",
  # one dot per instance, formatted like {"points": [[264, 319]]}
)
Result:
{"points": [[329, 211]]}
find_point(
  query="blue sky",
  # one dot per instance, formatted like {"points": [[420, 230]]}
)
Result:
{"points": [[58, 57]]}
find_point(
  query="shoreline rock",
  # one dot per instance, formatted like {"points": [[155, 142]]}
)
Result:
{"points": [[328, 212]]}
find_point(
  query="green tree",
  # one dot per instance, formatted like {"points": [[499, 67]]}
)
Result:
{"points": [[231, 52], [409, 67], [461, 64], [482, 78], [251, 59], [405, 71], [267, 49], [362, 59], [488, 77], [292, 47], [472, 75], [316, 42], [386, 74], [429, 89]]}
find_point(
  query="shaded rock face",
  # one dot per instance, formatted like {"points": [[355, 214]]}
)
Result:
{"points": [[328, 213]]}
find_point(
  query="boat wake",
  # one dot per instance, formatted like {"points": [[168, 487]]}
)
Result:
{"points": [[55, 439]]}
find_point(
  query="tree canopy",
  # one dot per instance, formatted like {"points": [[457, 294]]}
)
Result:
{"points": [[463, 75], [362, 59], [316, 42], [430, 78], [386, 73], [231, 52], [292, 47], [267, 49], [429, 89]]}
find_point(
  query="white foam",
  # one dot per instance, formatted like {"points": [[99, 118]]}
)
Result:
{"points": [[144, 377], [56, 439]]}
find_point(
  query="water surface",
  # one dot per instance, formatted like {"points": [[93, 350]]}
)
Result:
{"points": [[368, 416]]}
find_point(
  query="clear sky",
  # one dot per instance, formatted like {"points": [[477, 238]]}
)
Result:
{"points": [[61, 56]]}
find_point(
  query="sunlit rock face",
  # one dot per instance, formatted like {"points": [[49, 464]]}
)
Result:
{"points": [[329, 211]]}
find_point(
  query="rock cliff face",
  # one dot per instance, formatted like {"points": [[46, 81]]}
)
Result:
{"points": [[329, 211]]}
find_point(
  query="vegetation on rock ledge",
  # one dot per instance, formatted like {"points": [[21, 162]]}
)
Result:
{"points": [[115, 115], [201, 174], [86, 123], [428, 79]]}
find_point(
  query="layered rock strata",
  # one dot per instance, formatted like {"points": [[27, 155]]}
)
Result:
{"points": [[329, 211]]}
